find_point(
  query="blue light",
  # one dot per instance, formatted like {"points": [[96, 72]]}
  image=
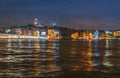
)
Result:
{"points": [[54, 24], [96, 33], [97, 54], [107, 31]]}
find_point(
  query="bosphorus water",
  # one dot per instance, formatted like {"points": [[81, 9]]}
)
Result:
{"points": [[34, 58]]}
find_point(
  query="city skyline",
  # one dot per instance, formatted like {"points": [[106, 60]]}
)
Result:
{"points": [[91, 14]]}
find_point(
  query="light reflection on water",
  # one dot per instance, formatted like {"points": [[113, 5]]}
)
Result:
{"points": [[29, 58], [60, 59]]}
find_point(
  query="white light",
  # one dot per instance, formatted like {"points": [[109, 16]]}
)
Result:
{"points": [[43, 33]]}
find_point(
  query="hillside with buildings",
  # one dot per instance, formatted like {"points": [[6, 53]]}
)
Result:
{"points": [[54, 31]]}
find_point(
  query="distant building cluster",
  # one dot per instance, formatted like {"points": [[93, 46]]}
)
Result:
{"points": [[55, 32], [96, 34], [38, 30]]}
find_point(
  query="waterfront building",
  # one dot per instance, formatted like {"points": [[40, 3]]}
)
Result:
{"points": [[116, 33], [75, 35]]}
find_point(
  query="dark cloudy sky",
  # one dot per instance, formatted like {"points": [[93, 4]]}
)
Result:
{"points": [[98, 14]]}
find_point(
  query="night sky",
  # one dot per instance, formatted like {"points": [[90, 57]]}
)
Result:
{"points": [[80, 14]]}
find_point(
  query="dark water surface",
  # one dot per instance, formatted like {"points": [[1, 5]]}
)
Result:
{"points": [[33, 58]]}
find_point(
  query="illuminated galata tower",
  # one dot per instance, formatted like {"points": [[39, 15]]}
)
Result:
{"points": [[35, 21]]}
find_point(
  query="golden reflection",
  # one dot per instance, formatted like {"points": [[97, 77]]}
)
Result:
{"points": [[90, 51], [45, 63], [85, 63], [36, 69], [84, 42], [74, 48], [49, 47], [52, 66]]}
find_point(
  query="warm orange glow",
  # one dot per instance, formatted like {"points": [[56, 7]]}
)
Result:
{"points": [[51, 34], [84, 35], [36, 33], [75, 35], [90, 36]]}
